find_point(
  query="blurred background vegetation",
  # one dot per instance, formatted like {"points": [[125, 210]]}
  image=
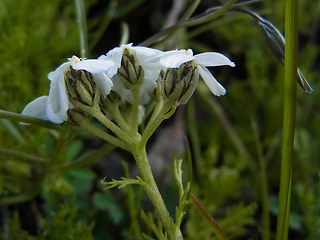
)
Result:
{"points": [[235, 139]]}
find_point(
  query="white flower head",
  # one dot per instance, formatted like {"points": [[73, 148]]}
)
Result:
{"points": [[55, 106], [150, 71], [174, 58]]}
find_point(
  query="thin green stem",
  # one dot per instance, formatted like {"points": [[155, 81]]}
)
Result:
{"points": [[191, 9], [149, 129], [96, 113], [199, 19], [13, 130], [210, 220], [125, 33], [263, 185], [135, 109], [140, 155], [114, 111], [133, 205], [25, 157], [194, 136], [209, 15], [60, 151], [289, 112], [29, 120], [82, 25], [103, 135]]}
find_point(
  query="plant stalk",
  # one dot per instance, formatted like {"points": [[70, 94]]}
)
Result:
{"points": [[82, 25], [289, 112], [152, 190], [263, 184]]}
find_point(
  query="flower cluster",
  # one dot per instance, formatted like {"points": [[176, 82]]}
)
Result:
{"points": [[122, 75]]}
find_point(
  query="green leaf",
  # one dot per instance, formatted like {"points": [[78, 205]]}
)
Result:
{"points": [[81, 179], [105, 201], [74, 149]]}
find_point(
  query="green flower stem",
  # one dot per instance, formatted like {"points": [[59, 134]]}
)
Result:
{"points": [[263, 185], [209, 15], [140, 155], [119, 119], [60, 152], [82, 25], [96, 113], [135, 108], [114, 111], [86, 125], [191, 9], [125, 33], [29, 120], [149, 129], [289, 112], [25, 157]]}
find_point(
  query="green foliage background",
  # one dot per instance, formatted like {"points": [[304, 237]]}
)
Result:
{"points": [[230, 136]]}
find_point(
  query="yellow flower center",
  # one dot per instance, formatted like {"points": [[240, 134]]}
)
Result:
{"points": [[74, 59], [188, 52]]}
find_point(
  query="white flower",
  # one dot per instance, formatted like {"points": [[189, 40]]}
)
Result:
{"points": [[174, 58], [55, 106], [151, 71]]}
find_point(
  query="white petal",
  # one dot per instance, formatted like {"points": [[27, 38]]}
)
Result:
{"points": [[118, 87], [103, 57], [58, 71], [171, 59], [93, 65], [58, 103], [54, 117], [215, 87], [211, 59], [175, 60], [103, 82], [37, 108], [146, 52], [150, 79], [115, 55]]}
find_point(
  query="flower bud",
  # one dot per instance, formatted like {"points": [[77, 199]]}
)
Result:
{"points": [[80, 86], [112, 99], [179, 83], [130, 73], [76, 116]]}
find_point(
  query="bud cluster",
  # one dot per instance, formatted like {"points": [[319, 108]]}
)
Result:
{"points": [[80, 86], [130, 73], [178, 83], [123, 82]]}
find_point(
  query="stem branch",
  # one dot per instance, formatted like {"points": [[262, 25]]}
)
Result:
{"points": [[152, 190]]}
